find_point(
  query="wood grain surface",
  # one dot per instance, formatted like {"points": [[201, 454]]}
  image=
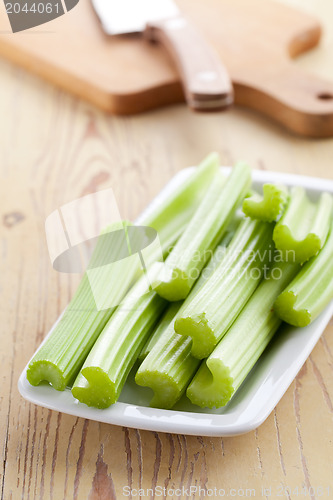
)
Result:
{"points": [[54, 149]]}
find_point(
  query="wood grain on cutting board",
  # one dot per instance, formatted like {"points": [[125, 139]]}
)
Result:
{"points": [[125, 75]]}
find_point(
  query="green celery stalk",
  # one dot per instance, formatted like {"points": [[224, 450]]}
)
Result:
{"points": [[168, 369], [208, 316], [208, 225], [311, 290], [302, 230], [219, 377], [105, 370], [161, 327], [59, 359], [170, 217], [169, 366], [268, 207]]}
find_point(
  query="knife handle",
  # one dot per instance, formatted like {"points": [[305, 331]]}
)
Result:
{"points": [[205, 80]]}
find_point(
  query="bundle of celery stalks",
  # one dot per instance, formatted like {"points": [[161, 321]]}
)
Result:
{"points": [[236, 265]]}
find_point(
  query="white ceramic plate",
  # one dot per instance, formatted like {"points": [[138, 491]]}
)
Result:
{"points": [[255, 399]]}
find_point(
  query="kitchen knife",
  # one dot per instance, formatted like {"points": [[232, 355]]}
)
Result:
{"points": [[206, 83]]}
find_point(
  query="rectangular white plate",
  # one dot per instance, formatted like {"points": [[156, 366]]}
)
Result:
{"points": [[255, 399]]}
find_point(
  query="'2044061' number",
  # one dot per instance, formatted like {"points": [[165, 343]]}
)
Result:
{"points": [[40, 8], [317, 492]]}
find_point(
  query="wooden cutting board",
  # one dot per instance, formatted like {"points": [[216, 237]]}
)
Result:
{"points": [[123, 75]]}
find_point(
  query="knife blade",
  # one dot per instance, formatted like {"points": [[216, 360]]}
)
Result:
{"points": [[205, 80]]}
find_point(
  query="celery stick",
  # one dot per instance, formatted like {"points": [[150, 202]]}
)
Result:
{"points": [[105, 370], [268, 207], [302, 230], [208, 316], [219, 377], [169, 366], [311, 290], [170, 217], [193, 249], [59, 359], [161, 327], [174, 307], [168, 369]]}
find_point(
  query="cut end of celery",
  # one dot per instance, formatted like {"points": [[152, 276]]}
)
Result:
{"points": [[197, 327], [211, 387], [174, 285], [166, 391], [93, 387], [284, 307], [46, 371], [293, 250], [268, 207]]}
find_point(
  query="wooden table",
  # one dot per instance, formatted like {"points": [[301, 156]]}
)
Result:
{"points": [[55, 149]]}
